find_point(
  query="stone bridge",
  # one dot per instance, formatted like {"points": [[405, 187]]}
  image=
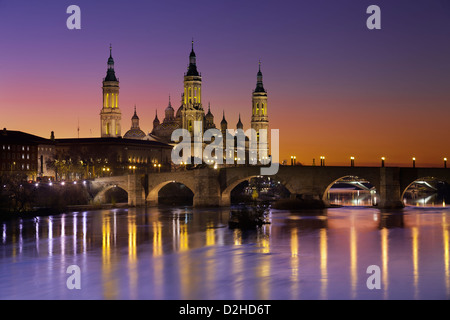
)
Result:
{"points": [[213, 187]]}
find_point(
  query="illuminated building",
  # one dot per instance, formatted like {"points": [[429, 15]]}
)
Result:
{"points": [[110, 115], [260, 119], [118, 156], [23, 153], [189, 113]]}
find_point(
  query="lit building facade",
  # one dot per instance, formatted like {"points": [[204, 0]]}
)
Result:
{"points": [[110, 115], [260, 119], [26, 154]]}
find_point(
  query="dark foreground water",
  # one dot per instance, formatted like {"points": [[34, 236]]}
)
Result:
{"points": [[185, 253]]}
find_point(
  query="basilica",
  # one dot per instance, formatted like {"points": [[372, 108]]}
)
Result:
{"points": [[191, 108]]}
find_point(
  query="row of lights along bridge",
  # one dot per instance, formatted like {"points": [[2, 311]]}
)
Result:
{"points": [[352, 161]]}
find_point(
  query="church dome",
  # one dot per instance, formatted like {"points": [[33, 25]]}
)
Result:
{"points": [[134, 133]]}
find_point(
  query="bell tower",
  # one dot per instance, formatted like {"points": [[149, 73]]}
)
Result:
{"points": [[260, 119], [110, 114], [192, 100]]}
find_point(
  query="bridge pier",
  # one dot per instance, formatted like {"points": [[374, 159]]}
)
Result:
{"points": [[390, 193], [207, 188], [136, 192]]}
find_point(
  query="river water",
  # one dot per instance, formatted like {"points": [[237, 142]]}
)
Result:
{"points": [[186, 253]]}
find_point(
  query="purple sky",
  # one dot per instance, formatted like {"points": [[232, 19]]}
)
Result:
{"points": [[335, 88]]}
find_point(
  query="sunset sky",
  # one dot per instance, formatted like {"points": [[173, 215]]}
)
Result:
{"points": [[335, 88]]}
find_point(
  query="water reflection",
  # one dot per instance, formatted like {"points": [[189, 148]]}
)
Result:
{"points": [[352, 197], [323, 263], [187, 253], [385, 259], [446, 248]]}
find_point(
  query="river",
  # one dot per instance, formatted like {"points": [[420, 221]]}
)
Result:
{"points": [[186, 253]]}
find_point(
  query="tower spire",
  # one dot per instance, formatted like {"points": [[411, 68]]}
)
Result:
{"points": [[192, 69], [259, 79], [239, 125], [110, 74]]}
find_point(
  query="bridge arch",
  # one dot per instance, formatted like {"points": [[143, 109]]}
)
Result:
{"points": [[153, 194], [100, 197], [231, 185], [351, 179], [424, 180]]}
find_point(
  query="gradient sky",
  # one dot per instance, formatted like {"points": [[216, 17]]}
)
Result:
{"points": [[335, 88]]}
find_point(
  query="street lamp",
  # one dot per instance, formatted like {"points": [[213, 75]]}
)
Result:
{"points": [[414, 162], [352, 161], [382, 161], [445, 162], [322, 161]]}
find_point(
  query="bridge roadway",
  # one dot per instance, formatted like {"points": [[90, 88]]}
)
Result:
{"points": [[212, 187]]}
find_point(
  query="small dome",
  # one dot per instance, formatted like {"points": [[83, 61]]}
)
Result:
{"points": [[134, 134]]}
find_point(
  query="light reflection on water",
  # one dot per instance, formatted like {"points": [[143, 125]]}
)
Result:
{"points": [[186, 253]]}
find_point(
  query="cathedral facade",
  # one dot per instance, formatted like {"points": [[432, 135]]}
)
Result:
{"points": [[191, 110]]}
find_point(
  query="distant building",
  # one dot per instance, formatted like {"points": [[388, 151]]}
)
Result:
{"points": [[95, 157], [24, 153]]}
